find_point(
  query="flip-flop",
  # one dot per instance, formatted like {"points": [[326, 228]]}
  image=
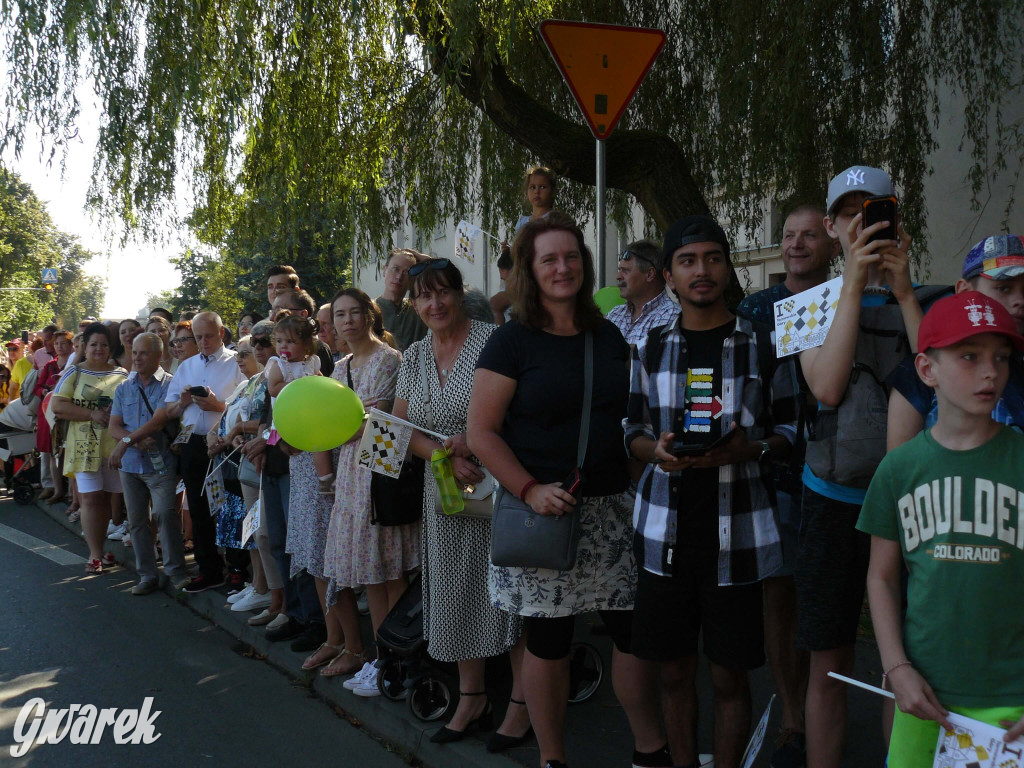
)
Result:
{"points": [[313, 662], [337, 668]]}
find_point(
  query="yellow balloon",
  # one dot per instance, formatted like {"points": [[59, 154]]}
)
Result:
{"points": [[317, 413]]}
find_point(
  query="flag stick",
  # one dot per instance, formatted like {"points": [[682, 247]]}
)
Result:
{"points": [[374, 413], [865, 686]]}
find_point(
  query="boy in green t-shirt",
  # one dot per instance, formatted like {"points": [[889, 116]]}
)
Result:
{"points": [[950, 505]]}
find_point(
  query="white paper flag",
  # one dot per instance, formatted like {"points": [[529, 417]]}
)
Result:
{"points": [[251, 522], [384, 445], [754, 745], [802, 321], [974, 744], [215, 492], [466, 235]]}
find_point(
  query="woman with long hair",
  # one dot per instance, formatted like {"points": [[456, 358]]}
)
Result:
{"points": [[524, 425]]}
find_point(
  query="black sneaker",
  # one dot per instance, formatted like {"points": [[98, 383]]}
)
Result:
{"points": [[659, 759], [790, 750], [312, 638], [202, 583], [286, 632]]}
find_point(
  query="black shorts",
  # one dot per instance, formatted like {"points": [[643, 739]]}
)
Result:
{"points": [[831, 573], [551, 638], [671, 612]]}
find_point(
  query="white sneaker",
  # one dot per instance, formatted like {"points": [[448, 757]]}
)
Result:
{"points": [[368, 687], [244, 592], [119, 533], [357, 679], [111, 528], [253, 601]]}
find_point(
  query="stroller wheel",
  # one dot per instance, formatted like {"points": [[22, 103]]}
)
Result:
{"points": [[391, 680], [585, 672], [429, 698], [24, 494]]}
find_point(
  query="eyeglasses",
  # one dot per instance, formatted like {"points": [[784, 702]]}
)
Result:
{"points": [[261, 341], [181, 340], [628, 254], [416, 269]]}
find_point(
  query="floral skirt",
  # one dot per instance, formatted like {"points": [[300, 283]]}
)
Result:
{"points": [[603, 578]]}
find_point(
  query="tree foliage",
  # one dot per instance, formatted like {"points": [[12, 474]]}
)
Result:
{"points": [[300, 117], [29, 242]]}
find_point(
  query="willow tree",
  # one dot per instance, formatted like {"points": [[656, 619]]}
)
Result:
{"points": [[378, 111]]}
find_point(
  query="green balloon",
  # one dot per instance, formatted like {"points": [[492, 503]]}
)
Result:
{"points": [[608, 298], [317, 413]]}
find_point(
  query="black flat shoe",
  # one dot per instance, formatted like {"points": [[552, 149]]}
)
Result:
{"points": [[485, 722]]}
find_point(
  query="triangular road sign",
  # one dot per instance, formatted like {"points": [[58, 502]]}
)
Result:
{"points": [[603, 65]]}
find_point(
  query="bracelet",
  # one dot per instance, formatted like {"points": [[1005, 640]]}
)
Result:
{"points": [[897, 665], [526, 489]]}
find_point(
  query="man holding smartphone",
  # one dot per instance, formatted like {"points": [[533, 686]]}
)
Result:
{"points": [[215, 372], [845, 375], [709, 407]]}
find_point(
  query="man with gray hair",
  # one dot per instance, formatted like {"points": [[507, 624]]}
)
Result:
{"points": [[146, 464], [196, 395], [642, 284]]}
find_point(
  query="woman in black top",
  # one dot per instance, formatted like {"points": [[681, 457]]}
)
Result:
{"points": [[524, 425]]}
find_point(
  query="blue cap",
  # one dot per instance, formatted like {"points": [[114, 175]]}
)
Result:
{"points": [[998, 257]]}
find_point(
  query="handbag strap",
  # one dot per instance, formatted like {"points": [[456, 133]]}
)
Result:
{"points": [[425, 383], [588, 397]]}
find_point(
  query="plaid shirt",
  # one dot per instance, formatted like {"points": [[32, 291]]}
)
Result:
{"points": [[748, 532], [660, 310]]}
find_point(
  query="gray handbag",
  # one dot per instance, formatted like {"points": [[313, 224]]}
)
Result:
{"points": [[478, 499], [247, 474], [522, 538]]}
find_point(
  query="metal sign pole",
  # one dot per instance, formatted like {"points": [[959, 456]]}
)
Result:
{"points": [[600, 214]]}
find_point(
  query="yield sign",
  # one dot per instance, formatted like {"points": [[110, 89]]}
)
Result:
{"points": [[603, 65]]}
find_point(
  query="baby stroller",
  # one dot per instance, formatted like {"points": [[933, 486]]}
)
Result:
{"points": [[406, 670], [18, 442]]}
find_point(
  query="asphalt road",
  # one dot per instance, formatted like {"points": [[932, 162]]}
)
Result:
{"points": [[75, 639]]}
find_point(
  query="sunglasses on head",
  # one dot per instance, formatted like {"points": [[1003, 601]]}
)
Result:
{"points": [[628, 254], [416, 269]]}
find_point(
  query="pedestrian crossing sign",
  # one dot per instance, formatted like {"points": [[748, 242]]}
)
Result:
{"points": [[49, 275]]}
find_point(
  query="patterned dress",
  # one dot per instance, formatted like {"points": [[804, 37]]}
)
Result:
{"points": [[358, 552], [232, 512], [309, 514], [459, 620]]}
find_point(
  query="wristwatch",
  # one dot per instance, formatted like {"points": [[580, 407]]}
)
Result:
{"points": [[765, 449], [266, 434], [127, 440]]}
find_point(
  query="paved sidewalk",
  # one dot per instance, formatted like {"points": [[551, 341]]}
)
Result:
{"points": [[597, 733]]}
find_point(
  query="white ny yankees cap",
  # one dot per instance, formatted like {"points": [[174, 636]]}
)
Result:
{"points": [[857, 178]]}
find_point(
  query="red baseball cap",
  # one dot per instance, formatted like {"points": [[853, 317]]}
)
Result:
{"points": [[955, 318], [13, 343]]}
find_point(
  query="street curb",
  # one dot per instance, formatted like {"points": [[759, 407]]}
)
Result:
{"points": [[389, 721]]}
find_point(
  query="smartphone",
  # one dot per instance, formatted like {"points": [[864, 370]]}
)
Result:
{"points": [[680, 449], [881, 208], [573, 484], [24, 337], [199, 391], [103, 402]]}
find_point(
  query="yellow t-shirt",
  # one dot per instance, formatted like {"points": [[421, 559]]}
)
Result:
{"points": [[88, 444], [20, 370]]}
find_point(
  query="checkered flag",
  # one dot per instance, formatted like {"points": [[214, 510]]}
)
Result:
{"points": [[384, 445], [465, 237], [214, 487]]}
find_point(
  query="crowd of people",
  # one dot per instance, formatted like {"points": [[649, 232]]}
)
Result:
{"points": [[723, 500]]}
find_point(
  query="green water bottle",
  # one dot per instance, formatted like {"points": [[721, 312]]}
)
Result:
{"points": [[447, 486]]}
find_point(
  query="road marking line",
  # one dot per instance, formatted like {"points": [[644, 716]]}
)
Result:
{"points": [[39, 547]]}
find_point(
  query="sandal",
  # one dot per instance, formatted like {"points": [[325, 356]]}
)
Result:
{"points": [[339, 667], [74, 516], [108, 560], [94, 566], [318, 659]]}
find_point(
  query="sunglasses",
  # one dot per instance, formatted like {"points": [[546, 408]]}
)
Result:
{"points": [[182, 340], [261, 341], [627, 255], [416, 269]]}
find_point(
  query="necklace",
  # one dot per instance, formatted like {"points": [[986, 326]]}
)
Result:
{"points": [[447, 367]]}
